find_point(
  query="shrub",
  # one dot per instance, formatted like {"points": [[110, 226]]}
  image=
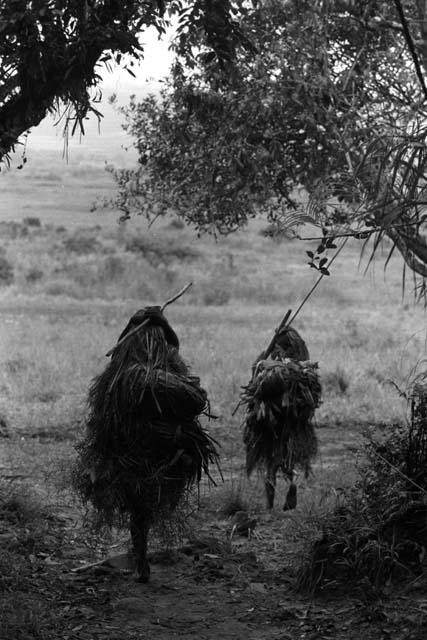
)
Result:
{"points": [[113, 268], [377, 531], [81, 244], [60, 287], [46, 396], [335, 381], [6, 272], [30, 533], [15, 366], [156, 252], [32, 221], [216, 295], [176, 223], [34, 275], [12, 230]]}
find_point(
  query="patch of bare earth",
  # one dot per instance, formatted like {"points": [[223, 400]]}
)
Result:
{"points": [[210, 588], [247, 591]]}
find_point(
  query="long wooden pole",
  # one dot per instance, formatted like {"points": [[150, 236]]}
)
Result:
{"points": [[277, 331]]}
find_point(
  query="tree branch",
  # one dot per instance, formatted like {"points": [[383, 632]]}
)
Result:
{"points": [[422, 21], [23, 111], [411, 46], [61, 66], [412, 260]]}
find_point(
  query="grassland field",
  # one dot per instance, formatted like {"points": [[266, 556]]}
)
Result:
{"points": [[78, 276]]}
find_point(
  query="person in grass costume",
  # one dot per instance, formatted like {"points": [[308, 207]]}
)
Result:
{"points": [[144, 446], [280, 402]]}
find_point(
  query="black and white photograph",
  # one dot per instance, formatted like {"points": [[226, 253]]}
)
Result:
{"points": [[213, 319]]}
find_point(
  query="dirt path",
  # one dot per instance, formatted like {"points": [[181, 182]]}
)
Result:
{"points": [[209, 588], [210, 591], [212, 600], [176, 604]]}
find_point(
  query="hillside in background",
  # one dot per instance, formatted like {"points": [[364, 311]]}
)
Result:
{"points": [[58, 181]]}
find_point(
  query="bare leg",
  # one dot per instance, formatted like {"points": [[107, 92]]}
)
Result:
{"points": [[291, 496], [270, 484], [139, 532]]}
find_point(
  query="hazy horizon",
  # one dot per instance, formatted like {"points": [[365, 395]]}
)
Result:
{"points": [[55, 179], [149, 72]]}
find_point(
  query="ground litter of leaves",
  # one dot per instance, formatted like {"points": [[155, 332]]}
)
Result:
{"points": [[206, 588]]}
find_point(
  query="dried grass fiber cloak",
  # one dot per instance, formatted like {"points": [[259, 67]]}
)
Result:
{"points": [[280, 402], [144, 444]]}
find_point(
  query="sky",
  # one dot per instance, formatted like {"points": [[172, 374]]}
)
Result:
{"points": [[149, 71], [156, 63]]}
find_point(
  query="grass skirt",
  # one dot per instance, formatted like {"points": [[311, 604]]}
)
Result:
{"points": [[280, 402], [144, 446]]}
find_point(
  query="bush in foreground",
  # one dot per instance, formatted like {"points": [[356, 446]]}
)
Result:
{"points": [[28, 534], [378, 531]]}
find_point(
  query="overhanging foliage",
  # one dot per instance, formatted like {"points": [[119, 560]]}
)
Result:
{"points": [[330, 96], [51, 51]]}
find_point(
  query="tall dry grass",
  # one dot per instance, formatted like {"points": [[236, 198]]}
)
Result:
{"points": [[74, 290]]}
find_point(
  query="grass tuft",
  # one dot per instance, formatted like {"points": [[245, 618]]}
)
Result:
{"points": [[336, 382]]}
